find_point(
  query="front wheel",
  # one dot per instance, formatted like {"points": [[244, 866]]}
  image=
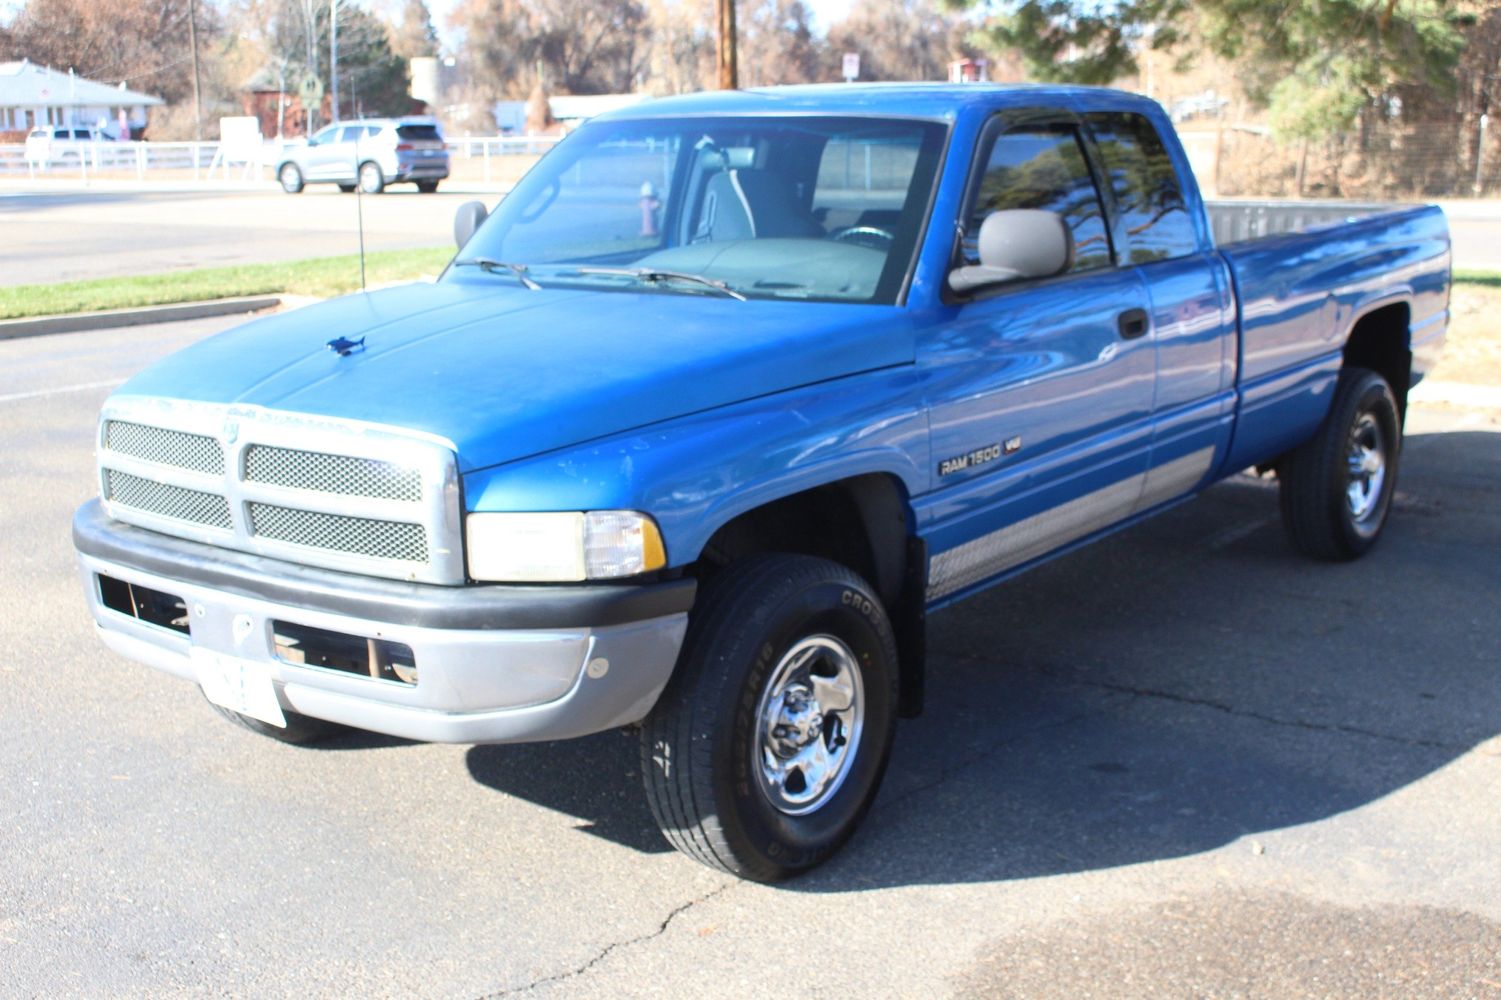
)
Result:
{"points": [[427, 187], [372, 181], [769, 743], [1336, 488], [290, 177]]}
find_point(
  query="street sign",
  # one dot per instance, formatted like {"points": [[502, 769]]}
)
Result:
{"points": [[311, 92], [851, 66]]}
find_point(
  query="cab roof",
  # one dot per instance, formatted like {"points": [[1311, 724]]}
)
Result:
{"points": [[939, 101]]}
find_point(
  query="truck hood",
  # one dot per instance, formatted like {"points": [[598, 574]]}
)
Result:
{"points": [[504, 373]]}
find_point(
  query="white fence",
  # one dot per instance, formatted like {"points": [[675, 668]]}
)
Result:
{"points": [[201, 161]]}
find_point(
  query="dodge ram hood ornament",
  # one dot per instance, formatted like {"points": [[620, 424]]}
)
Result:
{"points": [[343, 346]]}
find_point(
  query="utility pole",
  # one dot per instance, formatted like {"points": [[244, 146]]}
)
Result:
{"points": [[197, 87], [333, 59], [729, 72]]}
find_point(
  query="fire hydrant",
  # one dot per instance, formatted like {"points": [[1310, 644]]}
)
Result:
{"points": [[649, 205]]}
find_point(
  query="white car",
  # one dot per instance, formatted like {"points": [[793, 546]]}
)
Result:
{"points": [[371, 153], [49, 144]]}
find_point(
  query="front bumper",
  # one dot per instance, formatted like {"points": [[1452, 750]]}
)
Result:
{"points": [[494, 664]]}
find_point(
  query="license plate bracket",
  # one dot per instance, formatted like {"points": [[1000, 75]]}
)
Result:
{"points": [[238, 684]]}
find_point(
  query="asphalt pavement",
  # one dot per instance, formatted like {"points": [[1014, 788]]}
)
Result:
{"points": [[72, 235], [1181, 762]]}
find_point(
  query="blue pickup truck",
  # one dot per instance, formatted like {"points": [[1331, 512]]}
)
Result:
{"points": [[727, 395]]}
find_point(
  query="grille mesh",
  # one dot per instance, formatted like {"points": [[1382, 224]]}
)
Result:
{"points": [[323, 473], [157, 444], [359, 535], [168, 501]]}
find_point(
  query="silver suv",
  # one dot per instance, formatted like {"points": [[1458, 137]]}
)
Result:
{"points": [[371, 153]]}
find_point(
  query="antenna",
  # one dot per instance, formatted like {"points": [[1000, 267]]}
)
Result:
{"points": [[359, 203]]}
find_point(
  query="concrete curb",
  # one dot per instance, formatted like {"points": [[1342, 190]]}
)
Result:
{"points": [[77, 322]]}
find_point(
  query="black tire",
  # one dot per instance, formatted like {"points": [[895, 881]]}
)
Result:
{"points": [[427, 187], [703, 755], [290, 178], [370, 178], [1330, 510], [347, 188], [301, 730]]}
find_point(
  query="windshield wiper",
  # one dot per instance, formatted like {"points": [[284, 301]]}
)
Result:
{"points": [[492, 266], [653, 275]]}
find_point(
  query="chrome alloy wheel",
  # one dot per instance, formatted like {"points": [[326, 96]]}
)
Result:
{"points": [[808, 724], [1366, 459]]}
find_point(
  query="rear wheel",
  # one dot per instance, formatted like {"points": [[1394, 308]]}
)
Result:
{"points": [[768, 745], [1336, 488], [346, 188], [427, 187], [372, 181], [300, 729], [290, 177]]}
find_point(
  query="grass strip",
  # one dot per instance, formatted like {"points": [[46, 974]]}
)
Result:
{"points": [[1488, 279], [321, 276]]}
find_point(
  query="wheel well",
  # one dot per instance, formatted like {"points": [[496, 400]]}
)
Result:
{"points": [[1379, 342], [862, 523]]}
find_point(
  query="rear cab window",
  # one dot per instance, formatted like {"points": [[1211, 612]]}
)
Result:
{"points": [[1154, 221]]}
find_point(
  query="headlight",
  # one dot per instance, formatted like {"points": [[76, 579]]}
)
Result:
{"points": [[562, 547]]}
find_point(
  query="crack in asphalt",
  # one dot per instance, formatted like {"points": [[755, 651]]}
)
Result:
{"points": [[979, 756], [1219, 706], [612, 947]]}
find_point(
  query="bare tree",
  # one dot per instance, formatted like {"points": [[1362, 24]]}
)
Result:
{"points": [[896, 40], [415, 37], [142, 43], [681, 57], [777, 44], [581, 46]]}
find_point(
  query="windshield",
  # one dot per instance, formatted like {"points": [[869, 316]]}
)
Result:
{"points": [[828, 209]]}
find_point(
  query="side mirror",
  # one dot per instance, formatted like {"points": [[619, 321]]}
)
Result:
{"points": [[468, 218], [1017, 243]]}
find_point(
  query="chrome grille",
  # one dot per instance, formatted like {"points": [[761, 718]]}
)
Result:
{"points": [[165, 500], [325, 473], [342, 494], [165, 447], [359, 535]]}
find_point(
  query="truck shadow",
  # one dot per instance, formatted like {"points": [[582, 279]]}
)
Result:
{"points": [[1165, 692]]}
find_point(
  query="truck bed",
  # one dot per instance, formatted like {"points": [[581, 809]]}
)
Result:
{"points": [[1305, 273], [1242, 221]]}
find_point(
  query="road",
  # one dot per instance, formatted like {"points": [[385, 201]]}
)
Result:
{"points": [[75, 235], [55, 234], [1181, 762], [1475, 228]]}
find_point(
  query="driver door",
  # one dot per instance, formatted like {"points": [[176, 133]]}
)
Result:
{"points": [[1040, 391]]}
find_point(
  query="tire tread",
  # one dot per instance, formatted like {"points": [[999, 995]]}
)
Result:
{"points": [[682, 800]]}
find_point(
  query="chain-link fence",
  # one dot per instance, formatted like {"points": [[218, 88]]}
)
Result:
{"points": [[1380, 161]]}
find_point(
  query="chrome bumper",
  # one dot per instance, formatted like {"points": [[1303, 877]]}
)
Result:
{"points": [[494, 664]]}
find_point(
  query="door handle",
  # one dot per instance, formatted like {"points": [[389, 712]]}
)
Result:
{"points": [[1132, 323]]}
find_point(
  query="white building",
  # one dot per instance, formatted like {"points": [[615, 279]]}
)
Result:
{"points": [[32, 95]]}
